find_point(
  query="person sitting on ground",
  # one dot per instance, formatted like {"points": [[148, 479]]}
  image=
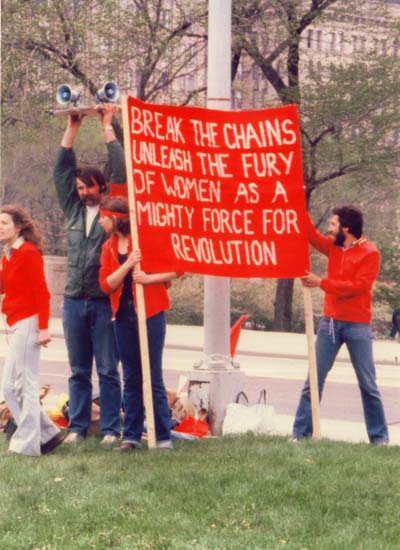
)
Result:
{"points": [[186, 423]]}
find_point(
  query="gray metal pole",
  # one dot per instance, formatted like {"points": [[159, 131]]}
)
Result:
{"points": [[217, 289], [216, 380]]}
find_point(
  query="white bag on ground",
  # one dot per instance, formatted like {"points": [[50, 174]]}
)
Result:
{"points": [[242, 418]]}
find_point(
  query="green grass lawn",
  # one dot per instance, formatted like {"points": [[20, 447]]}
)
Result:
{"points": [[227, 493]]}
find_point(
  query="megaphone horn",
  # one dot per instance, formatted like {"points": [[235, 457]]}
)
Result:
{"points": [[65, 95], [108, 93]]}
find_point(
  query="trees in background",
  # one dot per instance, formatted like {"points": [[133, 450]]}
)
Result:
{"points": [[140, 44], [156, 50], [350, 113]]}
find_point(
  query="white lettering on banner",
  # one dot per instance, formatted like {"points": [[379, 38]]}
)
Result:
{"points": [[163, 156], [156, 125], [279, 190], [214, 164], [217, 252], [264, 133], [185, 187], [220, 220], [164, 215], [248, 192], [282, 221], [205, 133], [143, 180], [263, 165]]}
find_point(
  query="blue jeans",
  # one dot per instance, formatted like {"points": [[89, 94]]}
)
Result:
{"points": [[358, 339], [126, 330], [89, 334]]}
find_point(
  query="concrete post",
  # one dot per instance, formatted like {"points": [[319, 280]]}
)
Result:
{"points": [[55, 269]]}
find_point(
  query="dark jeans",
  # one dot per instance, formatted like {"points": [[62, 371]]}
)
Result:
{"points": [[358, 339], [126, 330], [89, 334]]}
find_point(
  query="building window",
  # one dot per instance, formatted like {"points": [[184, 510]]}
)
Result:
{"points": [[165, 18], [332, 45], [318, 40], [309, 38], [396, 134], [255, 75], [255, 98], [190, 82], [341, 43], [237, 99]]}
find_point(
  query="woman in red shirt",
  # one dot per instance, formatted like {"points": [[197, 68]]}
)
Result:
{"points": [[26, 305], [118, 279]]}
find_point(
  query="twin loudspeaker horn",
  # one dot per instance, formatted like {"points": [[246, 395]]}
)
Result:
{"points": [[108, 93], [67, 97]]}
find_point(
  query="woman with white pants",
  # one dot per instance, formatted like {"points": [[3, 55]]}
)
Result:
{"points": [[26, 305]]}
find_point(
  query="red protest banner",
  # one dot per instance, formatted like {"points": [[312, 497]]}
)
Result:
{"points": [[218, 192]]}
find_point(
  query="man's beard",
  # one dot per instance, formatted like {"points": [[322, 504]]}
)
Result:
{"points": [[340, 238], [90, 201]]}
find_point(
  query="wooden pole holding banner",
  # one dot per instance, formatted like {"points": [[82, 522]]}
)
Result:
{"points": [[312, 370], [141, 312]]}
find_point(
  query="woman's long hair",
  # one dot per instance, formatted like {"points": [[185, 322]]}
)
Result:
{"points": [[26, 225]]}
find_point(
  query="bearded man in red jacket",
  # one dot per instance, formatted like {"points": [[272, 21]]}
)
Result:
{"points": [[353, 266]]}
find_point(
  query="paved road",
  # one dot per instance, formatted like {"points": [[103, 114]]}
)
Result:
{"points": [[274, 361]]}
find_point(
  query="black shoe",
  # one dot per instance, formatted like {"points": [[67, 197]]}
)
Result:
{"points": [[127, 447], [52, 443]]}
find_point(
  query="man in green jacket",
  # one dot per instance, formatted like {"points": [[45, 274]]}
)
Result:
{"points": [[86, 309]]}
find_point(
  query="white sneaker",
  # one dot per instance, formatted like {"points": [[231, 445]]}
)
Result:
{"points": [[109, 439], [166, 444], [73, 438]]}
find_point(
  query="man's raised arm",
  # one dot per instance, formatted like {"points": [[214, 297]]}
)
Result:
{"points": [[115, 150]]}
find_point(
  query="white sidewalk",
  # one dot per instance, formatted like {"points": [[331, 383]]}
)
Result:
{"points": [[280, 344], [276, 350]]}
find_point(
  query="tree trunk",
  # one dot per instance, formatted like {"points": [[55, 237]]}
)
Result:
{"points": [[283, 305]]}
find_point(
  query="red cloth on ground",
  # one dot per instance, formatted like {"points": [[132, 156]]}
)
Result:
{"points": [[192, 426]]}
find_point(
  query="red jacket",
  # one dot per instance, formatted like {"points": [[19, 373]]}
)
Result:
{"points": [[351, 274], [23, 282], [155, 295]]}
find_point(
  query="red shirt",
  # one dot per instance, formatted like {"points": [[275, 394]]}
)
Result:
{"points": [[23, 282], [155, 295], [351, 274]]}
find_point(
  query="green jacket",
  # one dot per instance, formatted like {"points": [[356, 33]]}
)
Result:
{"points": [[83, 252]]}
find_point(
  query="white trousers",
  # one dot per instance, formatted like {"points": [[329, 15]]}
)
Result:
{"points": [[21, 390]]}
